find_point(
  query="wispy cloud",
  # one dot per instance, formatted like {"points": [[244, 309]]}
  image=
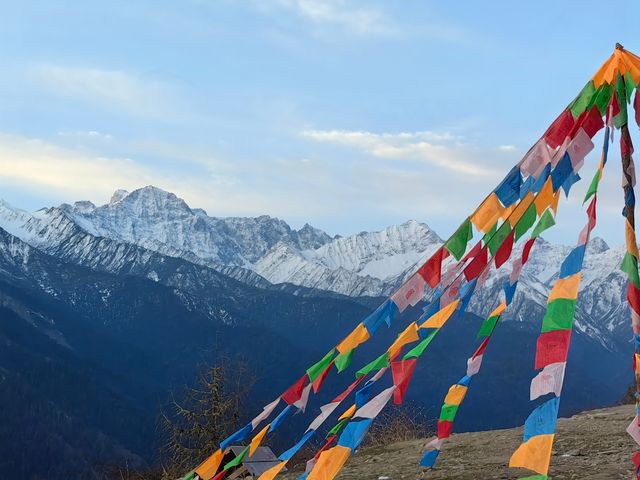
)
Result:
{"points": [[111, 89], [443, 150], [343, 14]]}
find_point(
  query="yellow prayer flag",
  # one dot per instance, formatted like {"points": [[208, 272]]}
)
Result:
{"points": [[359, 335], [487, 214], [257, 440], [534, 454], [439, 318], [207, 469], [409, 335], [330, 463], [272, 472], [348, 413], [456, 394], [499, 309], [566, 288]]}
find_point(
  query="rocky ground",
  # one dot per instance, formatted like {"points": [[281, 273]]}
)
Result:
{"points": [[592, 445]]}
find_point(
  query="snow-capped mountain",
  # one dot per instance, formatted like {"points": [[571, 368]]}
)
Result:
{"points": [[139, 232]]}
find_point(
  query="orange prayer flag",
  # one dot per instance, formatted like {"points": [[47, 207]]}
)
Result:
{"points": [[359, 335], [207, 469], [257, 440], [521, 209], [488, 213], [534, 454], [554, 203], [330, 463], [272, 472], [456, 394], [545, 197], [499, 309], [506, 212], [566, 288], [439, 318], [410, 334]]}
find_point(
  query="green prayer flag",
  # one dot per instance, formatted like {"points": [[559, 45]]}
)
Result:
{"points": [[526, 222], [189, 476], [546, 221], [457, 244], [630, 85], [238, 460], [593, 187], [448, 412], [630, 267], [490, 234], [496, 241], [315, 370], [379, 363], [338, 427], [419, 349], [621, 119], [583, 100], [559, 315], [488, 326], [603, 97], [343, 360]]}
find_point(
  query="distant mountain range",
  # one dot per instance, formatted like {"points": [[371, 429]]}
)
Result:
{"points": [[105, 309]]}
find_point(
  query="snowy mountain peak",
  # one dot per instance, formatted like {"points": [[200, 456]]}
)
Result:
{"points": [[597, 245], [118, 195]]}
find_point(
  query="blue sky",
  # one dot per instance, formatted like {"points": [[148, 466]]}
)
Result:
{"points": [[349, 115]]}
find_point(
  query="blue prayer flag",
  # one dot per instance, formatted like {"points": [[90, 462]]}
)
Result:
{"points": [[354, 433], [239, 436], [542, 420], [573, 263], [429, 458]]}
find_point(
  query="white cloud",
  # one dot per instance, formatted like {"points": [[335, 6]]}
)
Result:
{"points": [[343, 14], [112, 89], [443, 150], [86, 134], [507, 148]]}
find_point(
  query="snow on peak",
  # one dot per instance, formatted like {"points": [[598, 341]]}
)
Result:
{"points": [[118, 195]]}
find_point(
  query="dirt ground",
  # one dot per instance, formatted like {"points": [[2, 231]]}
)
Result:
{"points": [[592, 445]]}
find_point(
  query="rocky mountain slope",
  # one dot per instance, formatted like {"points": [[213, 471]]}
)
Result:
{"points": [[138, 232], [591, 445]]}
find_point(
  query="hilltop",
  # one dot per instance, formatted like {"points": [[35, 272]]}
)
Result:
{"points": [[591, 445]]}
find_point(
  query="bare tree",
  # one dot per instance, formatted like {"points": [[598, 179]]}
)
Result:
{"points": [[194, 423]]}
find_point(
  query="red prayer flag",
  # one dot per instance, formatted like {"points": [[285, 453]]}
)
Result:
{"points": [[402, 372], [349, 389], [294, 393], [444, 428], [481, 348], [613, 109], [552, 347], [559, 129], [317, 383], [473, 252], [504, 252], [592, 122], [220, 475], [476, 265], [626, 145], [633, 297], [431, 271], [591, 213], [527, 249]]}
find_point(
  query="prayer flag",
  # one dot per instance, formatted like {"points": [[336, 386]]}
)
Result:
{"points": [[257, 440], [359, 335], [550, 379], [457, 244], [542, 421], [410, 293], [552, 347], [440, 318], [402, 371], [534, 454]]}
